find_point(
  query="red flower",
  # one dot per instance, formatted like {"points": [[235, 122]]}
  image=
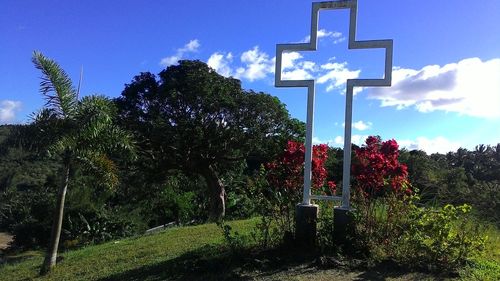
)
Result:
{"points": [[377, 169], [288, 170]]}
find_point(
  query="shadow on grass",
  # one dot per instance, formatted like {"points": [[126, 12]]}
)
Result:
{"points": [[390, 269], [219, 263], [11, 256]]}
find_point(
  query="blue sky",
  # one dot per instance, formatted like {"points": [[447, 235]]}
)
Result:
{"points": [[446, 76]]}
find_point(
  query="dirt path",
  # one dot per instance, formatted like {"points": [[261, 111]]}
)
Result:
{"points": [[5, 238]]}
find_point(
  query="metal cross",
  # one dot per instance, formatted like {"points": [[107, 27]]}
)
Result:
{"points": [[351, 83]]}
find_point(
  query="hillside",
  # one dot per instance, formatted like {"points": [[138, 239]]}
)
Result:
{"points": [[199, 253]]}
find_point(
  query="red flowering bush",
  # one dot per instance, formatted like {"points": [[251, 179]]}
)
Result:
{"points": [[285, 178], [377, 170], [380, 196], [287, 172]]}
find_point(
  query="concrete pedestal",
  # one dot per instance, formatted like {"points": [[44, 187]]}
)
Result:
{"points": [[306, 218], [343, 225]]}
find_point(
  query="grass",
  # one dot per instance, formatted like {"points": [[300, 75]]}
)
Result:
{"points": [[199, 253], [126, 257], [486, 267]]}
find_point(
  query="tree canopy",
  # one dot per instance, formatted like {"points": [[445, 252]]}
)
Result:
{"points": [[193, 119]]}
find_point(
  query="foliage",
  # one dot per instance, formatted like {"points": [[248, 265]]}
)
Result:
{"points": [[93, 227], [379, 174], [462, 177], [232, 238], [440, 239], [187, 117], [80, 133], [280, 189], [198, 253], [377, 169], [436, 239], [195, 120], [28, 217], [391, 225], [287, 172]]}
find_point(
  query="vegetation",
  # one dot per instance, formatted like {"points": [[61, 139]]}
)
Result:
{"points": [[79, 133], [201, 253], [207, 149], [194, 120]]}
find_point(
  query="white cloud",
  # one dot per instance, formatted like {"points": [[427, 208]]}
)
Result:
{"points": [[361, 126], [436, 145], [355, 139], [256, 65], [333, 74], [221, 63], [316, 140], [288, 59], [190, 47], [429, 145], [336, 75], [335, 36], [470, 87], [339, 140], [8, 109], [358, 139], [294, 69]]}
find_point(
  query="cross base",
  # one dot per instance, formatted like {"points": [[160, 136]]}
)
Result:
{"points": [[306, 218], [343, 225]]}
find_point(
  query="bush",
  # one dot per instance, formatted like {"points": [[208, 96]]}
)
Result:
{"points": [[390, 225], [440, 239], [285, 178], [30, 234], [28, 216], [92, 227], [436, 239]]}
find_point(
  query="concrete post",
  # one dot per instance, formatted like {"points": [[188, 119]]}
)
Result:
{"points": [[343, 225], [306, 218]]}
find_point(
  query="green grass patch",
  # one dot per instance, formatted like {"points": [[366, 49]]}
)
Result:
{"points": [[123, 259], [487, 266], [201, 253]]}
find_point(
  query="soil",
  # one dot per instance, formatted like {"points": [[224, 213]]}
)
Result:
{"points": [[5, 239]]}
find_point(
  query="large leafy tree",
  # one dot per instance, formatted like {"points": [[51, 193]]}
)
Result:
{"points": [[80, 133], [193, 119]]}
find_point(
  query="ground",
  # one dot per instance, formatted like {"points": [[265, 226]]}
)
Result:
{"points": [[200, 253], [4, 240]]}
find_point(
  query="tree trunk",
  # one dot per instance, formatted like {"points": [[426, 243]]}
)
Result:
{"points": [[217, 193], [51, 255]]}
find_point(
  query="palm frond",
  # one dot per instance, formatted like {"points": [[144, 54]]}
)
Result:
{"points": [[100, 166], [97, 130], [41, 133], [56, 86]]}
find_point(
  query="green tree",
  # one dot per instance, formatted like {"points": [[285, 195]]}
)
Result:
{"points": [[198, 121], [81, 134]]}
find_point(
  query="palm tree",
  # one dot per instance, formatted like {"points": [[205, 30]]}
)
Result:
{"points": [[81, 133]]}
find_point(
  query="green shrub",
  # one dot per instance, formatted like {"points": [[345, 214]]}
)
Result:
{"points": [[93, 227], [233, 239], [276, 211], [441, 238], [437, 239]]}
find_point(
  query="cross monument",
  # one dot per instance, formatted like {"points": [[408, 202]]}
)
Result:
{"points": [[350, 84]]}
